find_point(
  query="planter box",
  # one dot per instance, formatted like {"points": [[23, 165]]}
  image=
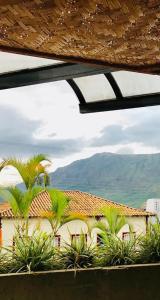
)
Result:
{"points": [[139, 282]]}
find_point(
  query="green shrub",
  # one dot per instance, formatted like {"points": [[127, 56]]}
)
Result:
{"points": [[150, 245], [5, 262], [78, 254], [35, 253], [117, 252]]}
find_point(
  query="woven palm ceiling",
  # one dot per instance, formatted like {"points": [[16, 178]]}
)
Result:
{"points": [[121, 34]]}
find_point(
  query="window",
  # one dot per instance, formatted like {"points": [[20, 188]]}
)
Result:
{"points": [[13, 244], [126, 236], [57, 241], [98, 218], [156, 206], [76, 237], [99, 240]]}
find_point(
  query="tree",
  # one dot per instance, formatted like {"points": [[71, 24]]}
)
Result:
{"points": [[58, 214], [32, 171], [112, 223], [20, 202]]}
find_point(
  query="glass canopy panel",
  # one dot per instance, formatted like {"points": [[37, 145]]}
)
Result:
{"points": [[134, 84], [14, 62], [95, 88]]}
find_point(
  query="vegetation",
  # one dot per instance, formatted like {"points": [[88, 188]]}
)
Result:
{"points": [[118, 252], [5, 262], [32, 171], [112, 223], [37, 252], [57, 215], [78, 254], [150, 244], [32, 253], [20, 201], [112, 250]]}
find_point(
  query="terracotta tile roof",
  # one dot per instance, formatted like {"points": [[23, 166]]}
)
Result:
{"points": [[80, 202]]}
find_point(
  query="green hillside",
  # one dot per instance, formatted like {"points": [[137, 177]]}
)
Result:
{"points": [[129, 179]]}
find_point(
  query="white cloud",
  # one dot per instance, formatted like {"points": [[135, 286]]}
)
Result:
{"points": [[46, 118]]}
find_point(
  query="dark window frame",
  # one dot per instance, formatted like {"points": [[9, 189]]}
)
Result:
{"points": [[58, 237], [78, 235], [128, 233]]}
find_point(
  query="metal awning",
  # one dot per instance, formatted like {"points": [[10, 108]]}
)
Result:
{"points": [[97, 88]]}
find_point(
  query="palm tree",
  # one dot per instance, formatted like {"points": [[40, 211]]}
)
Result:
{"points": [[32, 171], [58, 213], [112, 223], [20, 203]]}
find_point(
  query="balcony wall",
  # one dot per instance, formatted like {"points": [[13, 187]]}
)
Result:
{"points": [[139, 282]]}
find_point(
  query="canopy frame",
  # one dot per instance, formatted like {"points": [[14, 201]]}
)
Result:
{"points": [[71, 71]]}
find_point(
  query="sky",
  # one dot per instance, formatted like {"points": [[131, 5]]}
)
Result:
{"points": [[45, 118]]}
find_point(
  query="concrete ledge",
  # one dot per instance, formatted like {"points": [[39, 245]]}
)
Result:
{"points": [[138, 282]]}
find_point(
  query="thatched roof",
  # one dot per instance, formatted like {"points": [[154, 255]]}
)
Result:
{"points": [[120, 33]]}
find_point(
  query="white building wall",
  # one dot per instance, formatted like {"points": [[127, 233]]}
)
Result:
{"points": [[138, 225], [74, 227], [153, 206]]}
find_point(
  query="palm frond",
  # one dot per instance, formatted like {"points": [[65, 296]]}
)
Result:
{"points": [[13, 198], [31, 170], [72, 217], [37, 159], [59, 202], [114, 218], [27, 199], [20, 201]]}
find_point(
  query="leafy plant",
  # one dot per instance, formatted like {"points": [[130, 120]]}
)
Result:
{"points": [[35, 253], [5, 261], [20, 201], [111, 224], [150, 244], [58, 214], [78, 254], [118, 252], [32, 172]]}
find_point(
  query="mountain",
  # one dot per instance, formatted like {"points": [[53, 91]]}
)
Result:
{"points": [[129, 179]]}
